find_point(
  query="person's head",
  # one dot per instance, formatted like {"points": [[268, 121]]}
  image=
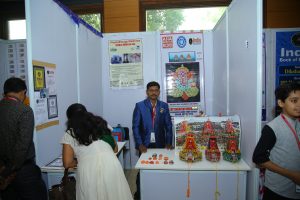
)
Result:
{"points": [[153, 90], [15, 87], [86, 127], [75, 107], [288, 99]]}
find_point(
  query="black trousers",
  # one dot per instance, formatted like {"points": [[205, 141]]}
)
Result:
{"points": [[28, 185], [270, 195]]}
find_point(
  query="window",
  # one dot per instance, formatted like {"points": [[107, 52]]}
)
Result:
{"points": [[92, 19], [183, 19], [16, 29]]}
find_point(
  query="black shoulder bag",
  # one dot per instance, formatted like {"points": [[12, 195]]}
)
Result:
{"points": [[66, 190]]}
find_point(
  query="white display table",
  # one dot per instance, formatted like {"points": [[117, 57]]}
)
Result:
{"points": [[170, 181], [54, 171]]}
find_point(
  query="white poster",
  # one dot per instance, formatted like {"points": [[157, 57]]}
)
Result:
{"points": [[126, 69], [183, 72]]}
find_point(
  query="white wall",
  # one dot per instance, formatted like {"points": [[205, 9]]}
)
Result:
{"points": [[90, 79], [118, 104], [53, 37], [208, 71], [220, 67], [245, 68], [53, 40], [3, 67]]}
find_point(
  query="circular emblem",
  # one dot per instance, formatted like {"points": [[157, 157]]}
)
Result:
{"points": [[181, 41], [296, 39]]}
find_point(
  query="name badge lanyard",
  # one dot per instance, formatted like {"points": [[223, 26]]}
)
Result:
{"points": [[10, 98], [292, 129], [153, 115]]}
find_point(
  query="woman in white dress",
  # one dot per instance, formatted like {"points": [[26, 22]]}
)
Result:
{"points": [[99, 174]]}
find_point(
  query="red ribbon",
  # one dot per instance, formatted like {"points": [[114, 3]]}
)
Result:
{"points": [[292, 129]]}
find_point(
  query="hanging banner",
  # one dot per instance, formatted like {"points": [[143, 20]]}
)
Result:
{"points": [[287, 57], [183, 72], [45, 94], [126, 69]]}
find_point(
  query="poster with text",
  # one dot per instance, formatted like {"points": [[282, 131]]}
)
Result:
{"points": [[287, 57], [183, 72], [126, 69], [45, 94]]}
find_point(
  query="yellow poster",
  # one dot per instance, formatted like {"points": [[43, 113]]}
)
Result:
{"points": [[39, 77]]}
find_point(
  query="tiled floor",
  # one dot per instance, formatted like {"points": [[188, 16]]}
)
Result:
{"points": [[131, 178]]}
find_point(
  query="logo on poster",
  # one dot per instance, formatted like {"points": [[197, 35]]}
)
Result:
{"points": [[194, 41], [296, 39], [181, 41], [167, 42]]}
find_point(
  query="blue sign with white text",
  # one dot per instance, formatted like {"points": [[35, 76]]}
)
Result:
{"points": [[287, 56]]}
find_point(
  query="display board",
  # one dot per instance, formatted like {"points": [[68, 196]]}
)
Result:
{"points": [[281, 59], [182, 65], [287, 56], [13, 62], [202, 128], [126, 63], [45, 94]]}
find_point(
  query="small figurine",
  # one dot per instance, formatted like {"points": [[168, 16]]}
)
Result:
{"points": [[212, 152], [232, 153], [190, 151]]}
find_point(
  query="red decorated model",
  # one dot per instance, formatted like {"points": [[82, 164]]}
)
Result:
{"points": [[190, 151], [212, 152], [232, 152]]}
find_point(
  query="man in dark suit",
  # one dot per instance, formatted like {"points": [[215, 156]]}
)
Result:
{"points": [[151, 124]]}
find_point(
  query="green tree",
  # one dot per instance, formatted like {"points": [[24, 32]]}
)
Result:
{"points": [[164, 20], [93, 20]]}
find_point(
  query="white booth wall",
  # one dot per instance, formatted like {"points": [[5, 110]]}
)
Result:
{"points": [[89, 70], [2, 65], [53, 37], [241, 31], [232, 72], [118, 104]]}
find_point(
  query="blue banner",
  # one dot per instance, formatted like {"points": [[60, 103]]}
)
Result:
{"points": [[287, 57]]}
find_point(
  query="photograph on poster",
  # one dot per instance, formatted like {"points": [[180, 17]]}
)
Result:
{"points": [[203, 128], [183, 84], [116, 59], [52, 107], [184, 56], [126, 58], [38, 78], [44, 93]]}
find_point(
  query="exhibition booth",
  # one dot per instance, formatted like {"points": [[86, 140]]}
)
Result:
{"points": [[68, 62]]}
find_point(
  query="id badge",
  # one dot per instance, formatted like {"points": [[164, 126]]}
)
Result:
{"points": [[297, 188], [152, 138]]}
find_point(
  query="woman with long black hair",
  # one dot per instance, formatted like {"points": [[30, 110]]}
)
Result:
{"points": [[99, 174]]}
